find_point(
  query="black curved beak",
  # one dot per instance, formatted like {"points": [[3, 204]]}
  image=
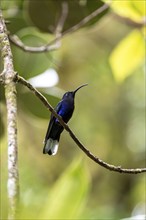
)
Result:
{"points": [[79, 88]]}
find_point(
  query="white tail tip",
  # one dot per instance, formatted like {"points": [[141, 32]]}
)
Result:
{"points": [[51, 147]]}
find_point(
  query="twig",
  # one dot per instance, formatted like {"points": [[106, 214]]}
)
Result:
{"points": [[62, 19], [87, 19], [55, 44], [76, 140], [8, 75], [129, 21], [17, 42]]}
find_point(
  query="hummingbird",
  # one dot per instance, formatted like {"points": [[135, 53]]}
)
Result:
{"points": [[65, 109]]}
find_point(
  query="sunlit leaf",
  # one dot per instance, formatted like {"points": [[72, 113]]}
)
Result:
{"points": [[128, 55], [67, 198], [140, 7], [134, 10]]}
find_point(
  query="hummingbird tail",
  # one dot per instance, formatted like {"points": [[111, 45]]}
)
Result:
{"points": [[51, 147]]}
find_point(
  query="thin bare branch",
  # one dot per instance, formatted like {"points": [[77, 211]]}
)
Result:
{"points": [[17, 42], [129, 21], [55, 44], [62, 19], [76, 140], [87, 19], [7, 76]]}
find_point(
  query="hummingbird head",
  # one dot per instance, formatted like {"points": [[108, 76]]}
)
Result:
{"points": [[68, 95]]}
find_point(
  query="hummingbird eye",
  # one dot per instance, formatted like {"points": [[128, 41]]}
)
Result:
{"points": [[65, 95]]}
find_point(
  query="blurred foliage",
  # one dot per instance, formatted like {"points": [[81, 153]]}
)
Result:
{"points": [[69, 194], [125, 50], [129, 53], [130, 9], [30, 36], [48, 22], [108, 119]]}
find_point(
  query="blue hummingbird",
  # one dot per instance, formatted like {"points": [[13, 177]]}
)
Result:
{"points": [[65, 109]]}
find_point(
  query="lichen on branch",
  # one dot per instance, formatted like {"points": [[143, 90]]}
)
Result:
{"points": [[7, 77]]}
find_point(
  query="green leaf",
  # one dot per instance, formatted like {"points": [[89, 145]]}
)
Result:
{"points": [[31, 64], [67, 198], [33, 106], [50, 13], [128, 55]]}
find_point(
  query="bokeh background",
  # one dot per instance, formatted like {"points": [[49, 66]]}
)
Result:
{"points": [[109, 118]]}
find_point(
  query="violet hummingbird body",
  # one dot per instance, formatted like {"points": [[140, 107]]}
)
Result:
{"points": [[65, 109]]}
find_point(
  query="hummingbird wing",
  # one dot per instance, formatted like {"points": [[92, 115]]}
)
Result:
{"points": [[52, 120]]}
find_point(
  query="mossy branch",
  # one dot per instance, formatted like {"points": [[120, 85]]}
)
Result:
{"points": [[7, 76]]}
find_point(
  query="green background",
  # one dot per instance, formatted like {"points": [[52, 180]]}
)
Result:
{"points": [[108, 54]]}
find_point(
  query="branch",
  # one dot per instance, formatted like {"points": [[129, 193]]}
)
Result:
{"points": [[87, 19], [7, 77], [45, 48], [55, 44], [76, 140], [129, 21], [62, 19]]}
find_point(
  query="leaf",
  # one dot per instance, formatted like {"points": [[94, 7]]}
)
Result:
{"points": [[66, 199], [127, 56], [50, 13], [134, 10], [140, 7], [30, 64], [32, 105]]}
